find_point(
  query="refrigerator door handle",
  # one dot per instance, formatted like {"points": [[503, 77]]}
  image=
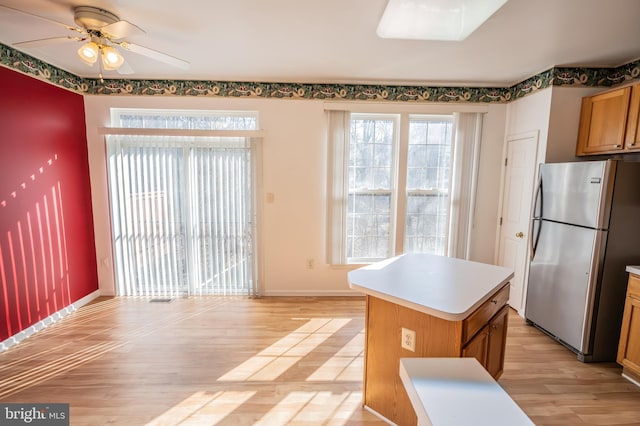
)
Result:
{"points": [[533, 245], [533, 242], [539, 196]]}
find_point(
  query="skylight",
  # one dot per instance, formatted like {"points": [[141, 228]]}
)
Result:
{"points": [[435, 19]]}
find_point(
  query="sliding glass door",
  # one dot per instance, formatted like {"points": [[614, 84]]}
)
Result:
{"points": [[221, 219], [183, 215]]}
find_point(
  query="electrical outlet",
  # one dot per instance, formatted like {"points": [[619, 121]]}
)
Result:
{"points": [[408, 339], [310, 263]]}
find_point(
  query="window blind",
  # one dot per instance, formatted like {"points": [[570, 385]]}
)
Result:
{"points": [[183, 215]]}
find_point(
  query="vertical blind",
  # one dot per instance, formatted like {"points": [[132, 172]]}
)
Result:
{"points": [[221, 218], [183, 215]]}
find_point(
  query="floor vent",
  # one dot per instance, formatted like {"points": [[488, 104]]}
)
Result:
{"points": [[160, 300]]}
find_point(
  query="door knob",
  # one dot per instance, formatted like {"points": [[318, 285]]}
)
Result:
{"points": [[520, 235]]}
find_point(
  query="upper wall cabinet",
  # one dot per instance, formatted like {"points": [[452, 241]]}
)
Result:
{"points": [[632, 140], [609, 122]]}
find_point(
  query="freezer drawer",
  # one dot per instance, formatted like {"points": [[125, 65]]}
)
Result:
{"points": [[560, 291]]}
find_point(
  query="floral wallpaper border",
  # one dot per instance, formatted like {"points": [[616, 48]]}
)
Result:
{"points": [[556, 76]]}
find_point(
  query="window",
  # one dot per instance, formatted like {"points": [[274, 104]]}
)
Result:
{"points": [[186, 120], [396, 183], [375, 186], [370, 191], [182, 207], [428, 182]]}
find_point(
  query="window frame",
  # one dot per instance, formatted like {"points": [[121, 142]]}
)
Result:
{"points": [[252, 139], [118, 113], [434, 191], [399, 193], [392, 191]]}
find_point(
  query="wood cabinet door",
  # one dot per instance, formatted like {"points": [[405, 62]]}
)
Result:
{"points": [[603, 121], [497, 342], [477, 347], [629, 349], [632, 140]]}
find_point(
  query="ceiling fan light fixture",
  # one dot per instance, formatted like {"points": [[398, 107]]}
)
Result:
{"points": [[452, 20], [102, 35], [111, 58], [89, 52]]}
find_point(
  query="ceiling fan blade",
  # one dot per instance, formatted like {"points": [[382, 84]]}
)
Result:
{"points": [[69, 27], [154, 54], [121, 29], [47, 41], [125, 69]]}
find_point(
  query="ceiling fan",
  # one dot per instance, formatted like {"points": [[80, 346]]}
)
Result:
{"points": [[102, 34]]}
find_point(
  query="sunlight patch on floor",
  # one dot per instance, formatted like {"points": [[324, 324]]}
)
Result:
{"points": [[203, 408], [345, 365], [273, 361], [299, 407], [304, 408]]}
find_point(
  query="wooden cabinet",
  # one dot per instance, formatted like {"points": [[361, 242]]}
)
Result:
{"points": [[632, 139], [609, 122], [477, 347], [497, 342], [603, 122], [489, 344], [482, 335], [629, 349]]}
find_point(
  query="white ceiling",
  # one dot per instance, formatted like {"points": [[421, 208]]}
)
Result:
{"points": [[334, 41]]}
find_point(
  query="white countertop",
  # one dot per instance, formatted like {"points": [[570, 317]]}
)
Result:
{"points": [[457, 392], [633, 269], [441, 286]]}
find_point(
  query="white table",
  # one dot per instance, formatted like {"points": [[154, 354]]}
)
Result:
{"points": [[441, 286], [457, 392]]}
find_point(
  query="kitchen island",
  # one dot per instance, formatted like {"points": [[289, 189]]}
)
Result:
{"points": [[420, 305]]}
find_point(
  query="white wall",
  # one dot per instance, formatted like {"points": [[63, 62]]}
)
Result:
{"points": [[294, 171], [566, 103], [555, 113], [528, 114]]}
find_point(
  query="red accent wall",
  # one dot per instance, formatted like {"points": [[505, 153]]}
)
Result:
{"points": [[47, 247]]}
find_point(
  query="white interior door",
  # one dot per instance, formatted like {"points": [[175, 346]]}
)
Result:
{"points": [[517, 196]]}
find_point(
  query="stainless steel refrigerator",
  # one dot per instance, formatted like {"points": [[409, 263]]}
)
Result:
{"points": [[585, 229]]}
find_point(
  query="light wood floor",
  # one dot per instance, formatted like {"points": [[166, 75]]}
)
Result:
{"points": [[270, 361]]}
